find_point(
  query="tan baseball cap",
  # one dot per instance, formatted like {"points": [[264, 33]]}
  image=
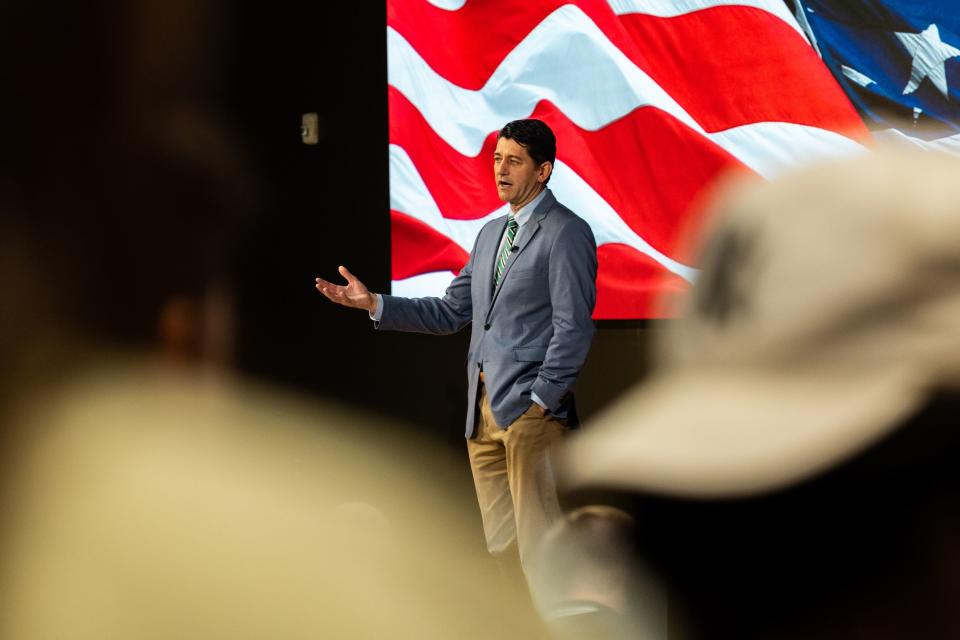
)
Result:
{"points": [[826, 311]]}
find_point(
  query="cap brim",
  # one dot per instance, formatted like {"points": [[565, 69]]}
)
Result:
{"points": [[712, 434]]}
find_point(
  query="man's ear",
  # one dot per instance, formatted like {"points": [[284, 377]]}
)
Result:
{"points": [[545, 170]]}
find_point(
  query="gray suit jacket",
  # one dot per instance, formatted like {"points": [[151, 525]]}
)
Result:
{"points": [[530, 334]]}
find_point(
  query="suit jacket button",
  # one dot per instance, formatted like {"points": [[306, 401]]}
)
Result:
{"points": [[486, 327]]}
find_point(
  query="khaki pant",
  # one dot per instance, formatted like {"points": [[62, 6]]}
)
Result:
{"points": [[514, 478]]}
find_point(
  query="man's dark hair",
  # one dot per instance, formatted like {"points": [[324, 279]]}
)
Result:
{"points": [[534, 136]]}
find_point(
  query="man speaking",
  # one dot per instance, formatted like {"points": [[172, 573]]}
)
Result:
{"points": [[529, 289]]}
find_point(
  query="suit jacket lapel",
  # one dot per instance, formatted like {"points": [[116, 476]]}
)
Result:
{"points": [[525, 236], [484, 269]]}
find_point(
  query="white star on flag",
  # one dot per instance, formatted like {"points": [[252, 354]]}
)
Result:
{"points": [[929, 53]]}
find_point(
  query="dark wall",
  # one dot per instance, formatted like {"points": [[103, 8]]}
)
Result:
{"points": [[327, 205]]}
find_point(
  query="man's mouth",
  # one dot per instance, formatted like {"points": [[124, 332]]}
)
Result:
{"points": [[504, 183]]}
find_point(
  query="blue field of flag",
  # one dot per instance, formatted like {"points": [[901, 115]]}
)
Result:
{"points": [[899, 61]]}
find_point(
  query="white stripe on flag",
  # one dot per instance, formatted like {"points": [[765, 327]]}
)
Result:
{"points": [[449, 5], [425, 284]]}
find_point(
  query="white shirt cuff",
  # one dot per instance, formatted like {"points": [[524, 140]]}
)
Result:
{"points": [[540, 402], [376, 315]]}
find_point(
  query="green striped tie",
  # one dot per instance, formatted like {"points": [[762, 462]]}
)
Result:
{"points": [[505, 252]]}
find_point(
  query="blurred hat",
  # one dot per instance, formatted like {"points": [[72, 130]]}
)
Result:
{"points": [[827, 309]]}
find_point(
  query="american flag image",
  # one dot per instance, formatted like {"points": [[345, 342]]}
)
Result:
{"points": [[652, 101], [898, 61]]}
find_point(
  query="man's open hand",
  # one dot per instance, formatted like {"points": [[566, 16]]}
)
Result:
{"points": [[354, 294]]}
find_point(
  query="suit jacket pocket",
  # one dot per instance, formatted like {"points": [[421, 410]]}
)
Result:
{"points": [[530, 354]]}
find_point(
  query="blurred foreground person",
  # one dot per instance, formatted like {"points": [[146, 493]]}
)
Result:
{"points": [[149, 503], [792, 466], [587, 586]]}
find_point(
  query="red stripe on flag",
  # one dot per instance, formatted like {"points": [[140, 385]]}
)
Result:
{"points": [[735, 65], [417, 248], [632, 285]]}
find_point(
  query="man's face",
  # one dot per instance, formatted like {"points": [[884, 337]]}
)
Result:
{"points": [[518, 177]]}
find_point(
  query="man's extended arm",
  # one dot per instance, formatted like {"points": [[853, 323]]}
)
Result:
{"points": [[433, 315], [424, 315]]}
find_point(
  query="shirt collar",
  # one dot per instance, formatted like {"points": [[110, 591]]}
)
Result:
{"points": [[527, 210]]}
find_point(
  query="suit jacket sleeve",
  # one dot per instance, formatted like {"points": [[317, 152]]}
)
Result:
{"points": [[433, 315], [573, 293]]}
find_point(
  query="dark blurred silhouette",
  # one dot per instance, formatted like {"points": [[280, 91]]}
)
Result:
{"points": [[124, 188], [146, 492]]}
